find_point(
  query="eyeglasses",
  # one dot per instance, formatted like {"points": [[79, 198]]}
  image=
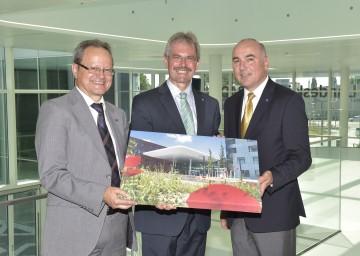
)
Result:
{"points": [[96, 70], [177, 58]]}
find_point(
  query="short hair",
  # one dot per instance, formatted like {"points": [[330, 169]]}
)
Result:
{"points": [[80, 48], [262, 46], [188, 37]]}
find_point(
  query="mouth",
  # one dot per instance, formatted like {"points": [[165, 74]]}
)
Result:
{"points": [[245, 74], [182, 70], [98, 82]]}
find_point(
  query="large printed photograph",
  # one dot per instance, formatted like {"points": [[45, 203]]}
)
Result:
{"points": [[192, 171]]}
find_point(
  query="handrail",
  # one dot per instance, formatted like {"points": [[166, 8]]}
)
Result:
{"points": [[13, 189], [324, 138], [22, 200]]}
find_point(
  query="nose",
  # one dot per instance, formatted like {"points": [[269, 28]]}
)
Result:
{"points": [[100, 73], [242, 65]]}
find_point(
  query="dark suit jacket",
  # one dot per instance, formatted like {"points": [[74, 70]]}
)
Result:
{"points": [[155, 111], [280, 126]]}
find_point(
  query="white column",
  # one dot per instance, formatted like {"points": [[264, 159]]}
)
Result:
{"points": [[11, 113], [329, 105], [215, 78], [344, 105], [293, 84], [11, 110], [161, 78]]}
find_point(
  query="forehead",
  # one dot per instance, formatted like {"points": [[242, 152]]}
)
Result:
{"points": [[247, 48], [97, 53], [182, 45]]}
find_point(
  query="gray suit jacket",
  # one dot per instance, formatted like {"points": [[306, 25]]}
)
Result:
{"points": [[74, 168]]}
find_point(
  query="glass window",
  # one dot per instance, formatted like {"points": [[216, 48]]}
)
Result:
{"points": [[123, 92], [4, 234], [253, 148], [4, 170], [241, 160], [26, 116], [56, 73], [26, 76], [42, 70], [25, 225], [2, 69], [27, 108]]}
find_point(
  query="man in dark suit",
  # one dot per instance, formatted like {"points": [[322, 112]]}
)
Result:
{"points": [[167, 231], [280, 126], [84, 214]]}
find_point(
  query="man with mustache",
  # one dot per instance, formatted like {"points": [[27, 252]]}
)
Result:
{"points": [[166, 231]]}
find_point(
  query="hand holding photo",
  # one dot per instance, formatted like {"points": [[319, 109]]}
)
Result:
{"points": [[192, 171]]}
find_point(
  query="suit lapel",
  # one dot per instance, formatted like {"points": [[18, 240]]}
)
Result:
{"points": [[114, 124], [200, 111], [169, 104], [83, 114], [237, 111], [261, 107]]}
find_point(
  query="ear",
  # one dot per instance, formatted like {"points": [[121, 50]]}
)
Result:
{"points": [[266, 62], [166, 61], [75, 69], [197, 65]]}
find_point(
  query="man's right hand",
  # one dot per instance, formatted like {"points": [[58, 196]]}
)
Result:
{"points": [[112, 199]]}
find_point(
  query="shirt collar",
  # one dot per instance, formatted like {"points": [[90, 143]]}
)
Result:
{"points": [[259, 90], [89, 100], [175, 91]]}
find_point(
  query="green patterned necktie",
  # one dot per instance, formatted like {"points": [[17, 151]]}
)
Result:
{"points": [[186, 114]]}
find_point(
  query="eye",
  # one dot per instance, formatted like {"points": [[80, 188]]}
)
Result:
{"points": [[94, 70]]}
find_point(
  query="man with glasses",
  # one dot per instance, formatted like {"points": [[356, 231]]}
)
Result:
{"points": [[166, 230], [80, 143]]}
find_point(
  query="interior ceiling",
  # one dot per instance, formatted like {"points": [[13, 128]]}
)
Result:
{"points": [[137, 30]]}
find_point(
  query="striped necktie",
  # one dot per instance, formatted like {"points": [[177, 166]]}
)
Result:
{"points": [[248, 111], [108, 144], [186, 114]]}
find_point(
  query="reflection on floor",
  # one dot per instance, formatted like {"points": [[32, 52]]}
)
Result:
{"points": [[334, 242], [344, 242]]}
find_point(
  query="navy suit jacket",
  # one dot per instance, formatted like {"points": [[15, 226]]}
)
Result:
{"points": [[280, 126], [156, 111]]}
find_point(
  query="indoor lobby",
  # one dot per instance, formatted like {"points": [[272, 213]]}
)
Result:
{"points": [[313, 48]]}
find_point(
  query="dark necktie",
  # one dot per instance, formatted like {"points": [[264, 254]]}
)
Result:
{"points": [[186, 114], [248, 111], [108, 144]]}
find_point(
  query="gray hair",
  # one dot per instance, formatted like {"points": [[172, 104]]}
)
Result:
{"points": [[188, 37], [80, 48]]}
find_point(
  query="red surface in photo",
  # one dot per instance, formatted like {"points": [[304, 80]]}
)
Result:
{"points": [[132, 161], [223, 197]]}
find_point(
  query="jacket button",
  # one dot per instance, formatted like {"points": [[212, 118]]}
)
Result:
{"points": [[108, 176]]}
